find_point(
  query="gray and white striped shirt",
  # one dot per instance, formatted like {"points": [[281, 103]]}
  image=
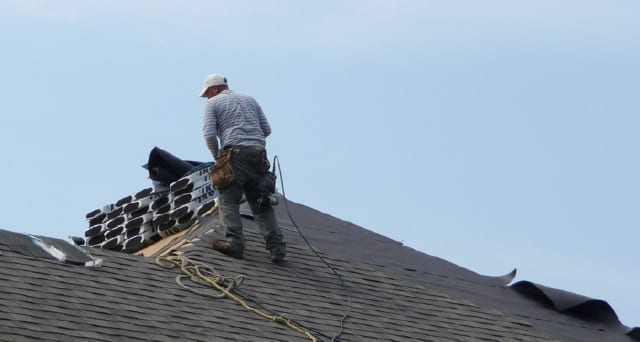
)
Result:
{"points": [[236, 119]]}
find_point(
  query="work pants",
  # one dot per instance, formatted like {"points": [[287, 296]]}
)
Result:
{"points": [[245, 162]]}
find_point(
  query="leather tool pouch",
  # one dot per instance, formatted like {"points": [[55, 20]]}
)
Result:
{"points": [[222, 173]]}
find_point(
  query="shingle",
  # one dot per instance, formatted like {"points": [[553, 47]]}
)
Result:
{"points": [[132, 298]]}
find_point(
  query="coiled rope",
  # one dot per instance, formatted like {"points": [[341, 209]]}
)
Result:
{"points": [[207, 274], [202, 273]]}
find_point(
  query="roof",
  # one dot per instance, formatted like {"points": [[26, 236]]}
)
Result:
{"points": [[396, 293], [338, 280]]}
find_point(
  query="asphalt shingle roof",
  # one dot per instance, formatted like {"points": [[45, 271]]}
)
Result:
{"points": [[396, 293]]}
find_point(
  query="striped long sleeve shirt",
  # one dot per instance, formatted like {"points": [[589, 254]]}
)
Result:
{"points": [[236, 119]]}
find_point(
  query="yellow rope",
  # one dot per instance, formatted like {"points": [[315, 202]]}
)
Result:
{"points": [[197, 270]]}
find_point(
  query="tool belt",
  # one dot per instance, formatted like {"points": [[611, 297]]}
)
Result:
{"points": [[263, 165], [267, 180], [222, 173]]}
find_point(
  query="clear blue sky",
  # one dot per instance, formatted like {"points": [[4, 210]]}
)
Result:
{"points": [[494, 134]]}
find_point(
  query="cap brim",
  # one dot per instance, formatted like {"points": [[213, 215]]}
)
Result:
{"points": [[204, 90]]}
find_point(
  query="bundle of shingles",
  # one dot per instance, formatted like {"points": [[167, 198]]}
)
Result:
{"points": [[139, 220]]}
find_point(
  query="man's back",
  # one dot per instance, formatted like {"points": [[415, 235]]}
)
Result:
{"points": [[237, 119]]}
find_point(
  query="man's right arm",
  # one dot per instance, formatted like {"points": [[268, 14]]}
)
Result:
{"points": [[264, 123], [213, 147], [210, 129]]}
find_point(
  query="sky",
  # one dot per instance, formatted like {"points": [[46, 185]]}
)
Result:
{"points": [[493, 134]]}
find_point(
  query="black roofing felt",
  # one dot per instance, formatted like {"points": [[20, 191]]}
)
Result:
{"points": [[165, 167], [397, 294], [571, 303]]}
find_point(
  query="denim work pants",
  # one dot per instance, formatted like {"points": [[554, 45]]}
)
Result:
{"points": [[244, 162]]}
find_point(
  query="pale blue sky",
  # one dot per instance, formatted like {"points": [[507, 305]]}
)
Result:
{"points": [[494, 134]]}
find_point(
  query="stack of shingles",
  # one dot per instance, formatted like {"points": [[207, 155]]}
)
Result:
{"points": [[139, 220]]}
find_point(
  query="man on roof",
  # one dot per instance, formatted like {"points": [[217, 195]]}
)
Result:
{"points": [[237, 121]]}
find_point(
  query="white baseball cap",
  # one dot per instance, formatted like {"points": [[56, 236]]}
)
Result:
{"points": [[213, 80]]}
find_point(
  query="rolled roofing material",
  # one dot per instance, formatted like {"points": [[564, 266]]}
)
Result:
{"points": [[167, 168], [97, 219], [96, 240], [139, 221], [151, 212], [180, 212], [205, 207], [116, 221], [114, 213], [595, 310], [160, 202], [124, 200], [111, 233], [92, 214], [139, 212], [192, 181], [140, 241], [95, 230], [114, 243], [143, 193]]}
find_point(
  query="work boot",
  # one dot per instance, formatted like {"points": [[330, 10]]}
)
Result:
{"points": [[224, 247], [278, 253]]}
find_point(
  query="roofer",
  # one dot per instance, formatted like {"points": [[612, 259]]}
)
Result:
{"points": [[241, 167]]}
